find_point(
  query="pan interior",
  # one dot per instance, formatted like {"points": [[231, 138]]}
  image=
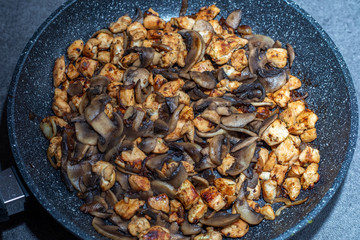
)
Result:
{"points": [[325, 76]]}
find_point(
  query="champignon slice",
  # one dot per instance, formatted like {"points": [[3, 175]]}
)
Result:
{"points": [[75, 88], [147, 145], [146, 55], [242, 160], [80, 151], [196, 48], [260, 41], [76, 174], [265, 124], [97, 106], [234, 19], [174, 118], [220, 219], [98, 85], [211, 134], [291, 53], [190, 229], [252, 92], [202, 25], [109, 231], [239, 129], [211, 115], [247, 213], [272, 79], [172, 103], [161, 128], [245, 143], [238, 120], [133, 75], [215, 145], [162, 187], [190, 148], [204, 79], [84, 134], [178, 176]]}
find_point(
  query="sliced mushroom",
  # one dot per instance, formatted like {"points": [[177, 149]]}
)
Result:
{"points": [[196, 48], [98, 85], [239, 129], [191, 148], [202, 25], [215, 144], [211, 134], [291, 53], [205, 163], [190, 229], [133, 75], [178, 176], [272, 79], [172, 103], [220, 219], [146, 55], [265, 124], [84, 134], [147, 145], [109, 231], [175, 117], [242, 160], [161, 128], [162, 187], [245, 143], [204, 79], [252, 92], [75, 88], [238, 120], [247, 213], [211, 115], [234, 19]]}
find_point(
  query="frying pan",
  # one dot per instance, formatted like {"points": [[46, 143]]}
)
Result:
{"points": [[318, 63]]}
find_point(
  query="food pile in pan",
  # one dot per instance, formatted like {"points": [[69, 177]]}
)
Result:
{"points": [[187, 129]]}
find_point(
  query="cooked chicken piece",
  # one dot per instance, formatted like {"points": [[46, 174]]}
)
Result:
{"points": [[127, 207], [112, 72], [282, 96], [236, 230], [109, 109], [153, 22], [293, 83], [155, 233], [264, 176], [105, 40], [296, 171], [177, 212], [275, 133], [297, 106], [75, 49], [239, 60], [116, 52], [87, 66], [268, 212], [207, 13], [307, 117], [72, 72], [121, 24], [187, 113], [159, 202], [209, 235], [225, 186], [168, 59], [288, 117], [278, 173], [91, 48], [215, 93], [270, 163], [207, 36], [277, 57], [59, 71], [138, 225], [184, 22], [170, 89], [54, 150], [216, 26], [197, 211], [227, 85], [269, 188], [107, 173], [133, 157], [61, 93], [139, 183], [267, 99], [187, 194], [221, 47], [292, 187], [160, 146], [263, 157], [296, 140], [213, 198], [176, 43], [103, 56], [60, 107], [231, 72], [226, 164], [287, 153], [297, 128], [309, 155], [254, 193], [154, 34], [136, 31], [202, 124], [310, 176], [177, 133], [183, 98], [127, 97], [203, 66], [239, 181], [129, 59], [309, 135]]}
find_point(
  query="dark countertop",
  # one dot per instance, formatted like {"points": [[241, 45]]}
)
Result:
{"points": [[19, 19]]}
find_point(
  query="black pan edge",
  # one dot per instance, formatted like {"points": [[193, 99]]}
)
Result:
{"points": [[290, 232]]}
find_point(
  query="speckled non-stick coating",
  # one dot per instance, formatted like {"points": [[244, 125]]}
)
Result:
{"points": [[318, 61]]}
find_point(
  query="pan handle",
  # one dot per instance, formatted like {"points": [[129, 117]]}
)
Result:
{"points": [[12, 194]]}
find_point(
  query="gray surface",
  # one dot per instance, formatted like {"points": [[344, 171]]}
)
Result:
{"points": [[22, 19]]}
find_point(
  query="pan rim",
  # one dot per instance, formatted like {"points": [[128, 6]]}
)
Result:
{"points": [[302, 223]]}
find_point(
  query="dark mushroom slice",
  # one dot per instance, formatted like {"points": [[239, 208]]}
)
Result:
{"points": [[129, 113], [234, 19], [175, 117], [146, 55], [291, 53], [247, 213], [184, 7], [205, 163], [189, 85], [265, 124], [202, 25], [114, 147], [133, 75], [170, 74], [242, 159], [245, 143], [215, 144], [211, 115], [199, 182], [155, 162], [75, 88], [147, 145], [190, 229], [172, 103], [104, 30], [84, 134], [162, 187], [277, 44], [196, 48], [253, 92], [109, 231], [204, 79], [223, 111], [178, 176], [272, 79], [238, 120], [239, 129], [76, 173], [257, 57], [96, 107], [160, 47], [161, 128], [139, 16], [192, 149], [140, 114], [211, 134], [98, 85], [80, 151], [220, 219]]}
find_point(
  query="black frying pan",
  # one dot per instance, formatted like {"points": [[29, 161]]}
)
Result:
{"points": [[326, 78]]}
